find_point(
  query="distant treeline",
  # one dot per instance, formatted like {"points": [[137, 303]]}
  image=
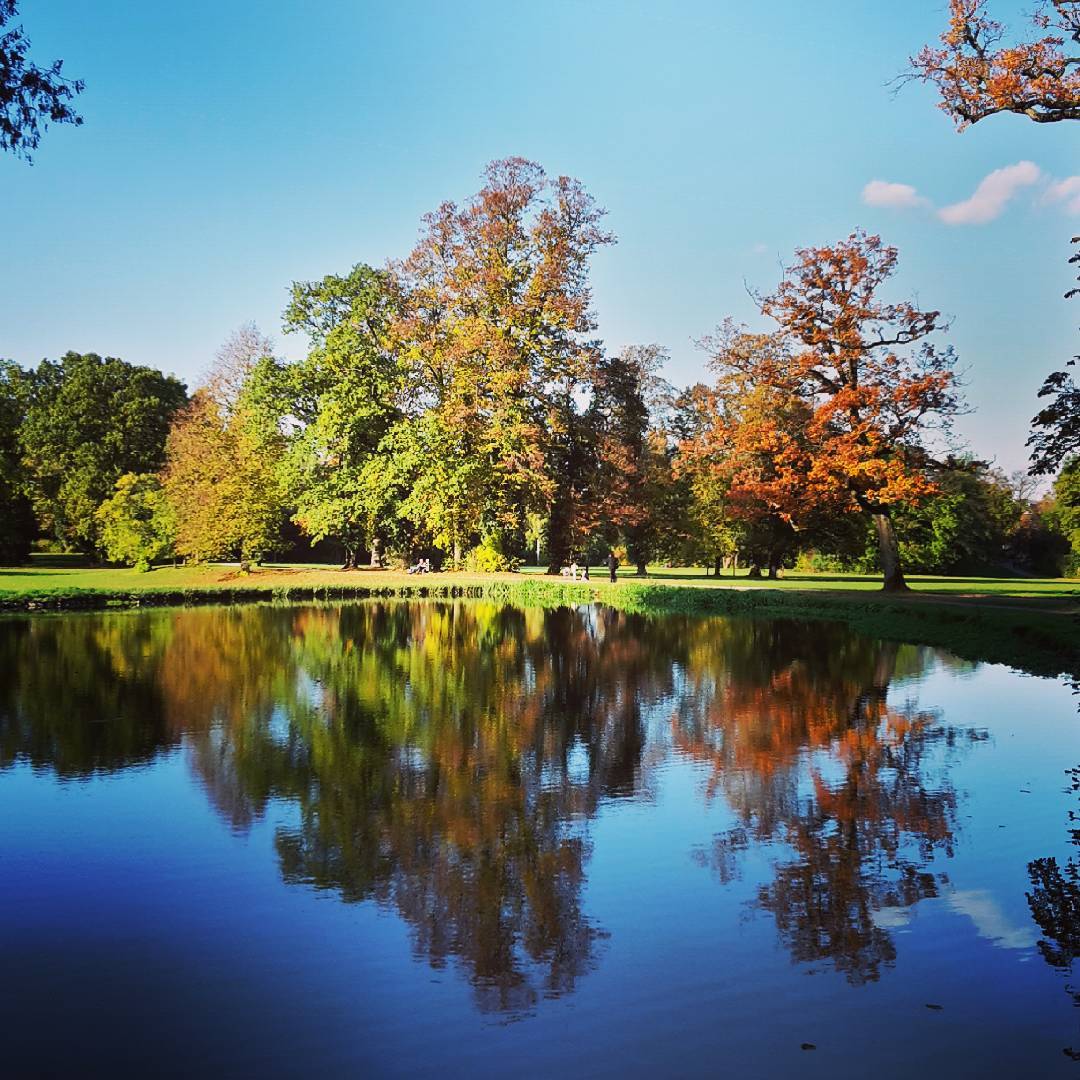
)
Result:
{"points": [[458, 405]]}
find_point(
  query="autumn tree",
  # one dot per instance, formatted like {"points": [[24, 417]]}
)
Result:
{"points": [[221, 470], [860, 834], [229, 372], [31, 97], [494, 331], [751, 454], [872, 386], [697, 525], [978, 76]]}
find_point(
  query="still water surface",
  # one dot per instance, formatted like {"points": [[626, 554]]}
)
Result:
{"points": [[463, 838]]}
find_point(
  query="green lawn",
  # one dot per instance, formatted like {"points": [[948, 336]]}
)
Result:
{"points": [[65, 573], [923, 583], [61, 573]]}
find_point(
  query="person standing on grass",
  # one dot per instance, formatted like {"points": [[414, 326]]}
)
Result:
{"points": [[613, 567]]}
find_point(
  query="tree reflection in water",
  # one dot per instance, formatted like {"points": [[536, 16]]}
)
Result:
{"points": [[431, 749], [1055, 906], [446, 758], [807, 751], [80, 695]]}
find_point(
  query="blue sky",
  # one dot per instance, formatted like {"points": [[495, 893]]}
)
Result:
{"points": [[230, 148]]}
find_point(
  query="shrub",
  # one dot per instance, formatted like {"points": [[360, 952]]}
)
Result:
{"points": [[820, 562], [137, 525], [487, 558]]}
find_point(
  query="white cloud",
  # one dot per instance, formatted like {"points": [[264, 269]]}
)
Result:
{"points": [[1066, 191], [759, 249], [980, 907], [990, 921], [992, 195], [895, 196]]}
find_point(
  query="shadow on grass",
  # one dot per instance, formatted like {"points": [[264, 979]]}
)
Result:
{"points": [[54, 561]]}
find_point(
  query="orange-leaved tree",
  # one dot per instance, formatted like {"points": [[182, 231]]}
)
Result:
{"points": [[222, 453], [748, 455], [1039, 79], [874, 389], [978, 76]]}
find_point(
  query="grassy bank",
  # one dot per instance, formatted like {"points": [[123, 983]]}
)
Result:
{"points": [[50, 577], [1032, 624], [1042, 637]]}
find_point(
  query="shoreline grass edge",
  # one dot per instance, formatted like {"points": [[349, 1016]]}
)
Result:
{"points": [[1041, 642]]}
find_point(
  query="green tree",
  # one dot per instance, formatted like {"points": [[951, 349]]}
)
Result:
{"points": [[17, 525], [88, 421], [632, 473], [1055, 435], [965, 526], [137, 523], [444, 480], [338, 405], [698, 527], [1063, 514]]}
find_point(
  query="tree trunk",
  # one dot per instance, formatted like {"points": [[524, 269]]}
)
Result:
{"points": [[376, 559], [457, 554], [642, 568], [755, 571], [889, 553], [558, 547]]}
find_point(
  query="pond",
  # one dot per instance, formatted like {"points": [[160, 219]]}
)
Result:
{"points": [[392, 838]]}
